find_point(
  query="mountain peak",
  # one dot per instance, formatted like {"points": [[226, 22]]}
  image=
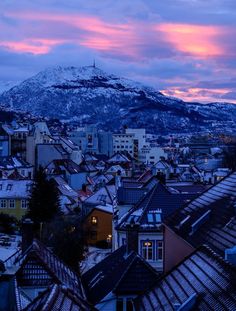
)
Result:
{"points": [[88, 94]]}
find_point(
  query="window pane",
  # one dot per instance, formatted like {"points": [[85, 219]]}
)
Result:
{"points": [[159, 250], [129, 305], [119, 305]]}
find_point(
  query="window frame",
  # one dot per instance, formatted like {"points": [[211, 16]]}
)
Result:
{"points": [[3, 203], [12, 206]]}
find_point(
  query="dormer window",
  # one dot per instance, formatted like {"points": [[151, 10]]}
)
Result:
{"points": [[9, 187], [152, 250]]}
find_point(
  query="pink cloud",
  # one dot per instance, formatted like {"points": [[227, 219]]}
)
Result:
{"points": [[195, 40]]}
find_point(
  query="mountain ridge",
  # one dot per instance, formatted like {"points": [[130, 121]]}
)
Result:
{"points": [[88, 94]]}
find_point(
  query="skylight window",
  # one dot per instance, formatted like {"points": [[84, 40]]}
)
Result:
{"points": [[150, 217]]}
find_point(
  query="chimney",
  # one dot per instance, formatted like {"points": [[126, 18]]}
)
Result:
{"points": [[118, 180], [132, 237], [27, 233]]}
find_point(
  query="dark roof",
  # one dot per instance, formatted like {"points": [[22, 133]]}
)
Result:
{"points": [[11, 162], [146, 176], [132, 184], [224, 188], [204, 275], [119, 158], [58, 298], [217, 230], [48, 269], [7, 293], [159, 200], [130, 195], [120, 273], [87, 167], [102, 157], [193, 188], [58, 166]]}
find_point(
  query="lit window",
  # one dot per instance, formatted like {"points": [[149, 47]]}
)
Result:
{"points": [[109, 238], [3, 203], [94, 220], [147, 250], [12, 204]]}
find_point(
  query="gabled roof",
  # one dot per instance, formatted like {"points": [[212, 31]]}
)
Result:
{"points": [[13, 188], [58, 166], [11, 162], [64, 188], [146, 176], [101, 178], [89, 157], [87, 167], [158, 200], [214, 225], [58, 297], [54, 270], [226, 187], [104, 194], [120, 273], [204, 275], [119, 158], [130, 195]]}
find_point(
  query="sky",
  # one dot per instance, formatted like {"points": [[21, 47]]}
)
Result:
{"points": [[184, 48]]}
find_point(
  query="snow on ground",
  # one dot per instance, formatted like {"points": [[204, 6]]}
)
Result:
{"points": [[9, 244]]}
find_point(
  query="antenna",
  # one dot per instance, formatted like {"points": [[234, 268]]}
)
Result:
{"points": [[94, 64]]}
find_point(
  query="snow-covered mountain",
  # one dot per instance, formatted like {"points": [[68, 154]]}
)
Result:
{"points": [[90, 95], [6, 85]]}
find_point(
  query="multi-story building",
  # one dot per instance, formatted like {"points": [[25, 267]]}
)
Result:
{"points": [[5, 140], [125, 143], [89, 139], [14, 196]]}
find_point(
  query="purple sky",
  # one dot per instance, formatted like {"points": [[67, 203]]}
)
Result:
{"points": [[185, 48]]}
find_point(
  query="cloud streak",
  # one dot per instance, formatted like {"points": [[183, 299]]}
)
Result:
{"points": [[149, 42]]}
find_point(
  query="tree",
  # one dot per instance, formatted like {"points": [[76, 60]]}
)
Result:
{"points": [[230, 158], [44, 202], [66, 236], [8, 224]]}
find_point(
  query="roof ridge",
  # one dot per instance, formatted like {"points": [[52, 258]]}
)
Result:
{"points": [[126, 270], [220, 181]]}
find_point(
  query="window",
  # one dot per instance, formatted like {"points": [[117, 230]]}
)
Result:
{"points": [[129, 305], [94, 220], [24, 204], [119, 304], [159, 250], [3, 203], [12, 204], [28, 187], [9, 187], [147, 250], [152, 250]]}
